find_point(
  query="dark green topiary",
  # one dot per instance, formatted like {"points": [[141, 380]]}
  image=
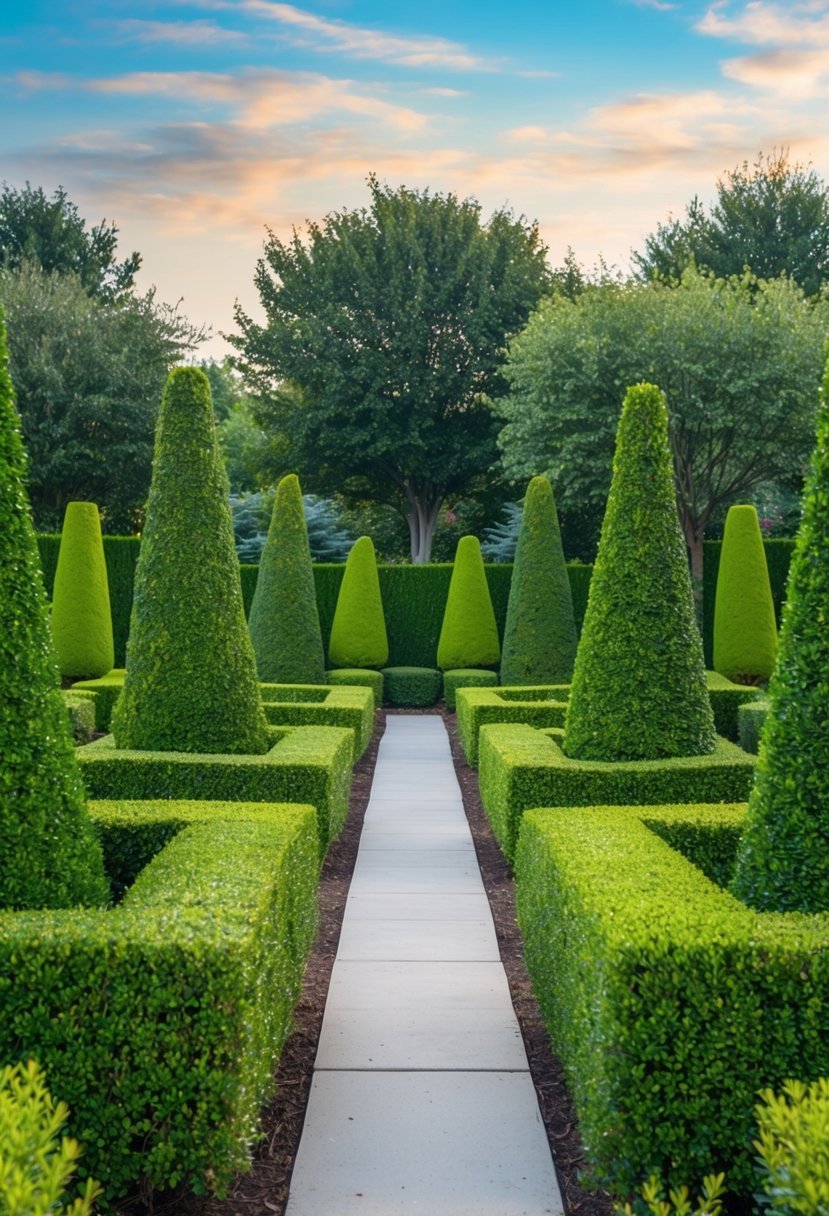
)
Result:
{"points": [[49, 855], [540, 633], [469, 633], [81, 616], [783, 864], [284, 622], [639, 689], [358, 631], [745, 632], [191, 682]]}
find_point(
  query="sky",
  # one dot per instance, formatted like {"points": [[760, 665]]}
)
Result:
{"points": [[197, 125]]}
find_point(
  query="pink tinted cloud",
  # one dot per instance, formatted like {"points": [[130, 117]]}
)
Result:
{"points": [[193, 34]]}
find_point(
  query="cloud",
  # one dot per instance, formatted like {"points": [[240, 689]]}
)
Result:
{"points": [[526, 134], [792, 73], [186, 34], [761, 24]]}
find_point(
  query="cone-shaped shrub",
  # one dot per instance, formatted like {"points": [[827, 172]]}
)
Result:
{"points": [[49, 855], [639, 689], [358, 631], [469, 633], [540, 632], [81, 616], [745, 633], [284, 620], [191, 682], [783, 862]]}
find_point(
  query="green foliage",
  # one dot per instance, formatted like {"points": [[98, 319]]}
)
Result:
{"points": [[81, 618], [678, 1200], [668, 1001], [391, 406], [784, 861], [358, 631], [160, 1021], [361, 677], [751, 718], [80, 710], [745, 633], [411, 687], [309, 764], [639, 690], [778, 553], [540, 633], [309, 705], [469, 633], [191, 681], [49, 856], [501, 539], [36, 1160], [284, 622], [542, 706], [465, 677], [106, 692], [252, 513], [521, 767], [793, 1148]]}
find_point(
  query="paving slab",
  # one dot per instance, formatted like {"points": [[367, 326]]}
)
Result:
{"points": [[418, 940], [418, 986], [418, 907]]}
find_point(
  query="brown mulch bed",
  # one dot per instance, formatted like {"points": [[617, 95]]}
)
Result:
{"points": [[264, 1190]]}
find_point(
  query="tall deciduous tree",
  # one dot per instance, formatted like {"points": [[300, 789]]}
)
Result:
{"points": [[392, 321]]}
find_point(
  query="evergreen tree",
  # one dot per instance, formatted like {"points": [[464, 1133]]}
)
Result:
{"points": [[358, 631], [745, 632], [81, 614], [469, 633]]}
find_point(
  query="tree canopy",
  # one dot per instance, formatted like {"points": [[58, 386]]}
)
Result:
{"points": [[392, 322]]}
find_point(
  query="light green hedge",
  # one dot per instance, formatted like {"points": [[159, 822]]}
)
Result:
{"points": [[160, 1021], [106, 690], [669, 1002], [466, 677], [751, 718], [307, 764], [313, 705], [80, 708], [522, 767], [362, 677]]}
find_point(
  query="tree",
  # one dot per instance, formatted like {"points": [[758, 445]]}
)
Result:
{"points": [[392, 321], [52, 233], [745, 632], [89, 373], [772, 217], [739, 362]]}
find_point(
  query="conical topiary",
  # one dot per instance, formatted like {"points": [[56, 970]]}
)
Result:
{"points": [[358, 631], [81, 615], [745, 632], [469, 633], [50, 856], [783, 861], [191, 682], [639, 688], [284, 620], [540, 632]]}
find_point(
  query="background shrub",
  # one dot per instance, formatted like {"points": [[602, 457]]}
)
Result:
{"points": [[358, 631], [81, 616], [412, 687], [469, 633], [745, 633], [793, 1148]]}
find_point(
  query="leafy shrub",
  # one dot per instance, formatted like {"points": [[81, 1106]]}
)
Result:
{"points": [[678, 1200], [752, 717], [80, 710], [540, 633], [284, 622], [638, 690], [358, 632], [500, 541], [106, 692], [191, 682], [36, 1160], [469, 634], [49, 857], [310, 705], [465, 677], [793, 1148], [361, 677], [81, 617], [412, 687], [745, 633]]}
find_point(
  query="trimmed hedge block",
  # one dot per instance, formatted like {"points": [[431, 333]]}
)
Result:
{"points": [[726, 699], [751, 718], [522, 767], [466, 677], [362, 677], [412, 687], [160, 1021], [106, 690], [80, 707], [542, 705], [313, 705], [309, 764], [669, 1002]]}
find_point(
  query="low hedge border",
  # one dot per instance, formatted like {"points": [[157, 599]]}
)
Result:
{"points": [[107, 690], [669, 1002], [726, 699], [750, 720], [80, 707], [522, 767], [411, 687], [308, 764], [466, 677], [160, 1021], [362, 677], [315, 705]]}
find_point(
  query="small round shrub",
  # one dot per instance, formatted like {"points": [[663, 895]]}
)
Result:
{"points": [[284, 621], [358, 631], [469, 633], [745, 632], [81, 615], [411, 687]]}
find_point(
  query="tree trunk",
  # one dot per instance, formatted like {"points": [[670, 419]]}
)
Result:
{"points": [[423, 504]]}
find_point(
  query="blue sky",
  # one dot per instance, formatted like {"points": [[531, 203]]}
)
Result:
{"points": [[193, 125]]}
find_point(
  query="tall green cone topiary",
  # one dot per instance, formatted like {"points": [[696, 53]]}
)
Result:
{"points": [[783, 861], [540, 632], [191, 683], [639, 688], [469, 633], [81, 616], [49, 854], [745, 632], [284, 620], [358, 631]]}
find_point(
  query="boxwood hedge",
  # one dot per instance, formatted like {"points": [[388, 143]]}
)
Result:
{"points": [[107, 690], [466, 677], [415, 687], [750, 718], [310, 705]]}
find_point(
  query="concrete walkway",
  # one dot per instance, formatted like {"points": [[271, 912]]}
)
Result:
{"points": [[422, 1102]]}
